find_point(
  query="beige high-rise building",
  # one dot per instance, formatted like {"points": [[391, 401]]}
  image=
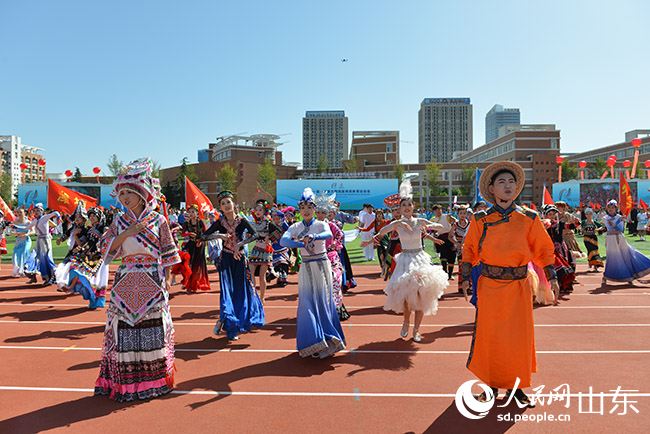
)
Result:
{"points": [[324, 133], [445, 127]]}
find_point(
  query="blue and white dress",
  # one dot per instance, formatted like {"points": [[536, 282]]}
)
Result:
{"points": [[624, 263], [43, 250], [22, 248], [319, 331]]}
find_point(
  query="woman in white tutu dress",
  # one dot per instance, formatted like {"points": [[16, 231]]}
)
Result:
{"points": [[415, 285]]}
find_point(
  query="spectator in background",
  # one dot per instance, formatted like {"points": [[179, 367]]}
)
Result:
{"points": [[366, 220]]}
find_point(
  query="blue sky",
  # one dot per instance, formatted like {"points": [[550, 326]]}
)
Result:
{"points": [[85, 79]]}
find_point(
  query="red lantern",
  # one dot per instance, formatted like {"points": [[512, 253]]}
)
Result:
{"points": [[41, 162], [23, 166], [647, 164], [96, 170], [636, 143], [611, 162], [68, 173], [559, 160], [582, 164], [627, 163]]}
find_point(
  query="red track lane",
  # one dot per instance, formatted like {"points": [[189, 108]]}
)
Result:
{"points": [[233, 383]]}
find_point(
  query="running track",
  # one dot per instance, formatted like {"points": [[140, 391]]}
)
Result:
{"points": [[50, 350]]}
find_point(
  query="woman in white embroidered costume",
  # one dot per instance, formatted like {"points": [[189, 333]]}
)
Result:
{"points": [[415, 284], [319, 332], [138, 348]]}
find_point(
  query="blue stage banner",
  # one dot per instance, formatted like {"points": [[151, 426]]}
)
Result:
{"points": [[568, 192], [29, 194], [352, 193]]}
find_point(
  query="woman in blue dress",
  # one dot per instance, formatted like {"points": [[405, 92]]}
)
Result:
{"points": [[319, 331], [23, 246], [240, 307], [624, 263]]}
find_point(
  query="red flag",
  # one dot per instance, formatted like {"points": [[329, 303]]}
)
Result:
{"points": [[194, 196], [581, 205], [546, 198], [9, 216], [643, 205], [64, 199], [591, 205], [624, 195], [533, 207]]}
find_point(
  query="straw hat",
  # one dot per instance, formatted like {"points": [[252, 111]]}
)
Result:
{"points": [[492, 169]]}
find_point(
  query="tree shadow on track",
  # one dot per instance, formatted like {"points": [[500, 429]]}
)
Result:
{"points": [[66, 413], [292, 366], [22, 285], [607, 288], [451, 421], [44, 314], [286, 297], [75, 334], [367, 311], [459, 331], [193, 350], [354, 291], [210, 314], [82, 366], [39, 299], [287, 366]]}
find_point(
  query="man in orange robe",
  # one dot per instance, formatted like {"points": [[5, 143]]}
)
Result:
{"points": [[505, 239]]}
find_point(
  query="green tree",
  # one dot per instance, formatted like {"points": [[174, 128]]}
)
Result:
{"points": [[5, 188], [569, 170], [227, 178], [595, 170], [398, 172], [468, 180], [155, 169], [114, 165], [266, 176], [77, 175], [433, 172], [186, 170], [351, 166], [323, 164]]}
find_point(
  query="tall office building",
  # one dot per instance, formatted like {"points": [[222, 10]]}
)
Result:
{"points": [[324, 133], [498, 117], [445, 128]]}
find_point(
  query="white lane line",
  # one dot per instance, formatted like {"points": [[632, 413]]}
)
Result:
{"points": [[182, 323], [353, 394], [351, 351], [266, 306]]}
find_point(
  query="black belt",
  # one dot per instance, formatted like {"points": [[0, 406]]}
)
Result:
{"points": [[504, 273]]}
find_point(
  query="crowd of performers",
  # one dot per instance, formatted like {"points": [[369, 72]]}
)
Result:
{"points": [[509, 258]]}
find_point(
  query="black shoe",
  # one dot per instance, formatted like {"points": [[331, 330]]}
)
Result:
{"points": [[32, 279]]}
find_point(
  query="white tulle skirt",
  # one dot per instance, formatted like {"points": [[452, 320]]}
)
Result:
{"points": [[416, 282]]}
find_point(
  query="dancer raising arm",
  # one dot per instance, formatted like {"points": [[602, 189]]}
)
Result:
{"points": [[319, 331], [415, 285]]}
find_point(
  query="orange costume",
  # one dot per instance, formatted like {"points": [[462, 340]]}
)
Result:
{"points": [[505, 241]]}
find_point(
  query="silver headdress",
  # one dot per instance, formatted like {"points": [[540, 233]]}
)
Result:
{"points": [[325, 202]]}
